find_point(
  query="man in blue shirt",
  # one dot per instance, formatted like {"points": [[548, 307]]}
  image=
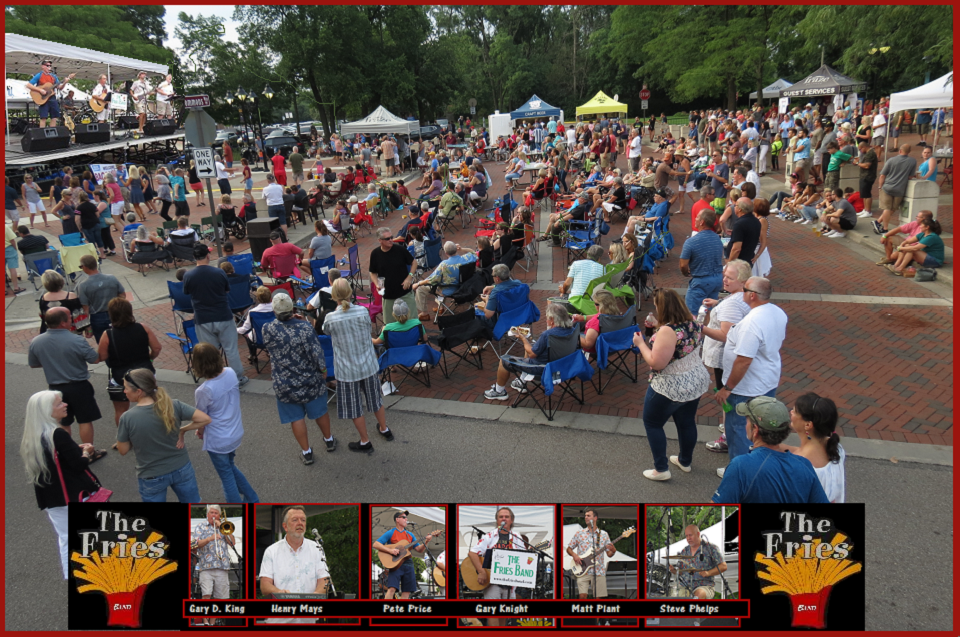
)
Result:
{"points": [[403, 577], [924, 116], [446, 278], [660, 208], [801, 157], [702, 260], [501, 283], [768, 475], [51, 108]]}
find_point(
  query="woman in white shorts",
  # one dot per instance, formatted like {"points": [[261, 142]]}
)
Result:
{"points": [[116, 198], [31, 194]]}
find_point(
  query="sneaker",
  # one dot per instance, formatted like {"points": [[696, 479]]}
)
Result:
{"points": [[493, 394], [720, 471], [722, 430], [805, 222], [863, 214], [388, 434], [519, 385], [774, 210], [836, 234], [243, 380], [306, 458], [331, 444], [653, 474], [877, 228], [718, 446], [356, 446], [676, 460], [799, 220]]}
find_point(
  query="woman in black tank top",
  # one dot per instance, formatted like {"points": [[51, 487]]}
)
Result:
{"points": [[126, 345]]}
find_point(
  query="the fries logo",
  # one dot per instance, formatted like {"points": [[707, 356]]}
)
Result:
{"points": [[122, 568], [801, 562]]}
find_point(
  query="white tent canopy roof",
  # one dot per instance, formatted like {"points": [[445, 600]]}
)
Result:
{"points": [[23, 55], [933, 95], [774, 89], [17, 91], [380, 121], [427, 520], [714, 534]]}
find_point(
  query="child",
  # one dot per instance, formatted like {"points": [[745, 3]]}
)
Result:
{"points": [[403, 192], [182, 272], [775, 149], [854, 198]]}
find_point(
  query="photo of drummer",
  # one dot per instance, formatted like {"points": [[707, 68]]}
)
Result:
{"points": [[216, 556], [692, 553]]}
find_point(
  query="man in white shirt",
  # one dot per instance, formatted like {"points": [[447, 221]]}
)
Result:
{"points": [[751, 360], [481, 553], [636, 148], [752, 133], [164, 93], [879, 130], [223, 177], [139, 92], [101, 90], [293, 565], [273, 196]]}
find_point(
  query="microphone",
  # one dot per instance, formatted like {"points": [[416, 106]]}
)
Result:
{"points": [[316, 535]]}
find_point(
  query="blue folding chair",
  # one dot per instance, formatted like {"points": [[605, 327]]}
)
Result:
{"points": [[353, 275], [186, 339], [257, 321], [180, 304], [72, 239], [566, 364], [320, 269], [514, 309], [239, 295], [431, 251], [614, 346], [581, 235], [39, 262], [242, 263], [408, 352], [327, 344]]}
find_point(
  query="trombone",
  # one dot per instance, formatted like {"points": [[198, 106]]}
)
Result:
{"points": [[225, 528]]}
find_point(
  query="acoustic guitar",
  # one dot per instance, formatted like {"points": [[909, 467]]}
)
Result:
{"points": [[587, 558], [391, 561], [39, 99], [439, 577], [97, 104], [469, 573]]}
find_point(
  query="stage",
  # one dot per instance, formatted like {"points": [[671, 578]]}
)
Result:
{"points": [[121, 149]]}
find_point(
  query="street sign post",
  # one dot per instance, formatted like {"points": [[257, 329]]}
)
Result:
{"points": [[206, 167], [645, 94], [643, 104], [200, 130], [644, 97], [196, 101]]}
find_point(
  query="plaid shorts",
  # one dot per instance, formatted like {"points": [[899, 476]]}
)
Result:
{"points": [[350, 402]]}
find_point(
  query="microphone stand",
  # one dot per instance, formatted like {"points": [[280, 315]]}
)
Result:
{"points": [[323, 556]]}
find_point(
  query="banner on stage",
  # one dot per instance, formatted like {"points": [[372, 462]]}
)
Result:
{"points": [[100, 170], [513, 568], [118, 101]]}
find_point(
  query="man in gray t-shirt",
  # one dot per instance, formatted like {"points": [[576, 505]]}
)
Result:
{"points": [[96, 292], [839, 214], [893, 180]]}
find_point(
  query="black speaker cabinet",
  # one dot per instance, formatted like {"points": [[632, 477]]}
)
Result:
{"points": [[160, 127], [128, 122], [39, 140], [97, 133]]}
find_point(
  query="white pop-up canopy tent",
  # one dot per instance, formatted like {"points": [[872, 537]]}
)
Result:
{"points": [[773, 90], [17, 92], [936, 94], [381, 121], [536, 522], [421, 521]]}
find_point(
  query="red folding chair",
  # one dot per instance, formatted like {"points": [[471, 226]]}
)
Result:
{"points": [[374, 305], [283, 267], [362, 219]]}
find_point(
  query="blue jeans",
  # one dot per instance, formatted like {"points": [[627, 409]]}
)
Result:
{"points": [[703, 287], [777, 199], [513, 177], [809, 213], [183, 481], [99, 323], [657, 409], [735, 425], [93, 236], [234, 482], [280, 212]]}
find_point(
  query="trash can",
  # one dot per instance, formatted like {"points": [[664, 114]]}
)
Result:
{"points": [[258, 231]]}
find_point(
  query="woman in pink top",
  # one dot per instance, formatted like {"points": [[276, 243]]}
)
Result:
{"points": [[606, 304]]}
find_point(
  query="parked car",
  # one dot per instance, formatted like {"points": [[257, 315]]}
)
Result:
{"points": [[284, 143], [430, 131], [225, 135]]}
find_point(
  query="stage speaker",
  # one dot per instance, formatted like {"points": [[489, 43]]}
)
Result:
{"points": [[21, 125], [160, 127], [38, 140], [92, 133], [128, 122]]}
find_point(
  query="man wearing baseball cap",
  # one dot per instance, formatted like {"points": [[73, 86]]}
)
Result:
{"points": [[767, 475]]}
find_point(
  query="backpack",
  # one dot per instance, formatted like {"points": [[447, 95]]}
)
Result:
{"points": [[925, 274]]}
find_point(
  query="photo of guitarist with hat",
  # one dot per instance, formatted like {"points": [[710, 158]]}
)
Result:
{"points": [[403, 577], [46, 83]]}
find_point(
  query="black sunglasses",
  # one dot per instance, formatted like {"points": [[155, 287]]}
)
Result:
{"points": [[130, 380], [749, 290]]}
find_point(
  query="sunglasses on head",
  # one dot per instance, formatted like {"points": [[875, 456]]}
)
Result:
{"points": [[127, 377]]}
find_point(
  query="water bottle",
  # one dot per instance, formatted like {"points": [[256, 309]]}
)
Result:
{"points": [[299, 303], [702, 314], [648, 325], [556, 378]]}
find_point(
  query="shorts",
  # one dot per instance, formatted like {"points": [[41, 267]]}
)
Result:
{"points": [[36, 208], [831, 181], [711, 592], [280, 212], [50, 109], [353, 395], [197, 186], [670, 192], [140, 106], [878, 140], [866, 187], [931, 262], [403, 578], [216, 583], [164, 109], [298, 175], [495, 591], [116, 208], [585, 583], [846, 224], [922, 128], [229, 164], [224, 185], [894, 132], [391, 162], [81, 401], [292, 412], [610, 206], [801, 165], [11, 255], [248, 184], [818, 159], [889, 202]]}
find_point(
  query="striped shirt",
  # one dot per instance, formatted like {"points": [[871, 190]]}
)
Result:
{"points": [[352, 348]]}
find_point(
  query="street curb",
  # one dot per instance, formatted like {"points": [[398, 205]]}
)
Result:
{"points": [[854, 447]]}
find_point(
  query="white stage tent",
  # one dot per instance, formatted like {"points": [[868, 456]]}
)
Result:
{"points": [[933, 95], [17, 92], [569, 530], [380, 121]]}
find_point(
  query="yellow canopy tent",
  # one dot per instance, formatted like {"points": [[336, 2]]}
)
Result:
{"points": [[601, 103]]}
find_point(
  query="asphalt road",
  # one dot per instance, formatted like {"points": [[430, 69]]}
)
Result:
{"points": [[909, 543]]}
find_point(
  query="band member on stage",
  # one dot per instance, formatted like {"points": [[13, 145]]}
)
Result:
{"points": [[501, 537], [164, 94], [404, 576], [212, 551], [102, 91], [706, 558], [584, 540], [139, 92], [442, 565], [51, 108], [293, 565]]}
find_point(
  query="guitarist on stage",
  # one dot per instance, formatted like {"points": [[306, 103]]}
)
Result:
{"points": [[584, 540], [705, 557], [102, 94], [139, 91], [51, 108], [404, 576], [501, 537]]}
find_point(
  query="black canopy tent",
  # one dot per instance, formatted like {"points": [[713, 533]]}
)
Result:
{"points": [[823, 81]]}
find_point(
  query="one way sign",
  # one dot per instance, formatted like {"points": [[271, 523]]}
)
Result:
{"points": [[203, 157]]}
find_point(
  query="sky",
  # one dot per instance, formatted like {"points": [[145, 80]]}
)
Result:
{"points": [[223, 11]]}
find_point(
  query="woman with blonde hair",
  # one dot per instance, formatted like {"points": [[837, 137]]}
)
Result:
{"points": [[677, 381], [135, 184], [151, 427], [358, 378], [606, 305], [57, 466]]}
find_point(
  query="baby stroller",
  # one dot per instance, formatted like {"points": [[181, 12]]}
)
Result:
{"points": [[232, 224]]}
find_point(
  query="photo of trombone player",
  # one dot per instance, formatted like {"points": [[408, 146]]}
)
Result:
{"points": [[213, 545]]}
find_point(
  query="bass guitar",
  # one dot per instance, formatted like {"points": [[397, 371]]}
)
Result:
{"points": [[469, 572], [390, 561], [48, 91], [593, 556]]}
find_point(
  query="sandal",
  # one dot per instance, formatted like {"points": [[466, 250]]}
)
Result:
{"points": [[99, 453], [19, 290]]}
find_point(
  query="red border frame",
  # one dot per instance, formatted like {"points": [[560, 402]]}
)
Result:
{"points": [[636, 526], [246, 514], [446, 528], [591, 629]]}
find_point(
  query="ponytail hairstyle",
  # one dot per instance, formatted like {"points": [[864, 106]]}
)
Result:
{"points": [[341, 293], [145, 381], [932, 224], [822, 413]]}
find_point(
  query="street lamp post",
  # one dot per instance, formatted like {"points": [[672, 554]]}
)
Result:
{"points": [[249, 98]]}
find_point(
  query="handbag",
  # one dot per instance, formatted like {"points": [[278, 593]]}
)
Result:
{"points": [[925, 274], [100, 495], [108, 220]]}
